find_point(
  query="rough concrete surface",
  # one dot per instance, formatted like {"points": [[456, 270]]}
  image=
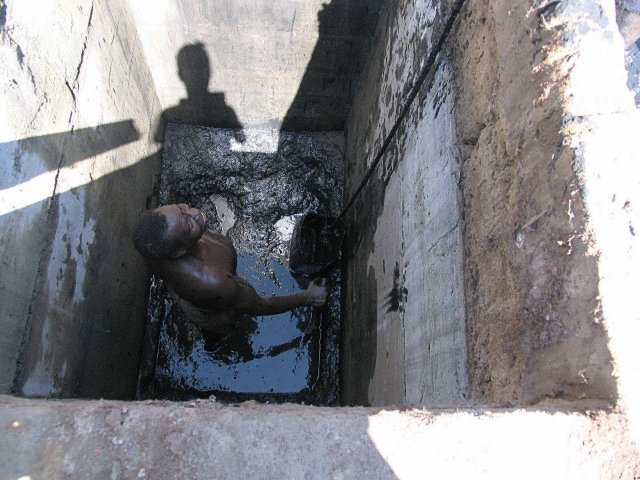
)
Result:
{"points": [[404, 339], [404, 232], [203, 439], [291, 63], [405, 42], [78, 164]]}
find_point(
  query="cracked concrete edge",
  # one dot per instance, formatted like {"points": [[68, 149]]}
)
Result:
{"points": [[203, 439]]}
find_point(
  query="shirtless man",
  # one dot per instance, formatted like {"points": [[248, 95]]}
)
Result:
{"points": [[199, 268]]}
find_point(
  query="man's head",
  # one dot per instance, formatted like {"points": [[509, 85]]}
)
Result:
{"points": [[168, 231]]}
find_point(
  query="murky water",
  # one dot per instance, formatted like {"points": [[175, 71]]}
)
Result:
{"points": [[254, 198]]}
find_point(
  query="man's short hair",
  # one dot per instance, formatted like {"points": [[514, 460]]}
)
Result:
{"points": [[149, 236]]}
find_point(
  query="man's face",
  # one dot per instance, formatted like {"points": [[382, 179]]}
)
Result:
{"points": [[185, 225]]}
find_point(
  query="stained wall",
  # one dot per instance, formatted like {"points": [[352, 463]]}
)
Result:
{"points": [[78, 161], [404, 322], [287, 64], [488, 211]]}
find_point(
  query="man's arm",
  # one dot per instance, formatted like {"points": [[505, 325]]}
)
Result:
{"points": [[244, 299]]}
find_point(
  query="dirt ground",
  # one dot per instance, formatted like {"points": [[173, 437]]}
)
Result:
{"points": [[534, 322]]}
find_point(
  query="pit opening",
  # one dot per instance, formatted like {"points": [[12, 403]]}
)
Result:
{"points": [[467, 272]]}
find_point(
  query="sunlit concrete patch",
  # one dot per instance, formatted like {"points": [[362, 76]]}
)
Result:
{"points": [[78, 174], [284, 227], [607, 147], [472, 445], [255, 140], [284, 230], [225, 213]]}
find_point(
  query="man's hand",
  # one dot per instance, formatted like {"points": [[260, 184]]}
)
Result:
{"points": [[316, 293]]}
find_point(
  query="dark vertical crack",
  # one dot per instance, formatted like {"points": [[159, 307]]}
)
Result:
{"points": [[74, 86], [84, 48], [73, 94], [42, 103], [20, 55]]}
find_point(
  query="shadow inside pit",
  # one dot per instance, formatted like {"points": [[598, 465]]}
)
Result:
{"points": [[201, 107], [292, 356]]}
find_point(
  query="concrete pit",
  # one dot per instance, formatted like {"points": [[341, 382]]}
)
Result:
{"points": [[485, 155], [254, 186]]}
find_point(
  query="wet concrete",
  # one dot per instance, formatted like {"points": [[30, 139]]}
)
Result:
{"points": [[254, 185]]}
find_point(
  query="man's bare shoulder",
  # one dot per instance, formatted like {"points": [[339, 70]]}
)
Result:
{"points": [[218, 238], [207, 287]]}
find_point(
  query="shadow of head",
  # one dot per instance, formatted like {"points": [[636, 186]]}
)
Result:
{"points": [[193, 67]]}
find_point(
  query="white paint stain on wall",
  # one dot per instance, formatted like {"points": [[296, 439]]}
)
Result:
{"points": [[70, 250], [65, 276], [40, 382]]}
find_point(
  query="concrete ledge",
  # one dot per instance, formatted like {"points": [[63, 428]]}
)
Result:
{"points": [[104, 439]]}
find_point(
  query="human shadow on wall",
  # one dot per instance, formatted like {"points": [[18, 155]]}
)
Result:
{"points": [[201, 107]]}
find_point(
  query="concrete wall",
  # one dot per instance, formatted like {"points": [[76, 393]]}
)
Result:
{"points": [[404, 327], [78, 162], [512, 115], [287, 63]]}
